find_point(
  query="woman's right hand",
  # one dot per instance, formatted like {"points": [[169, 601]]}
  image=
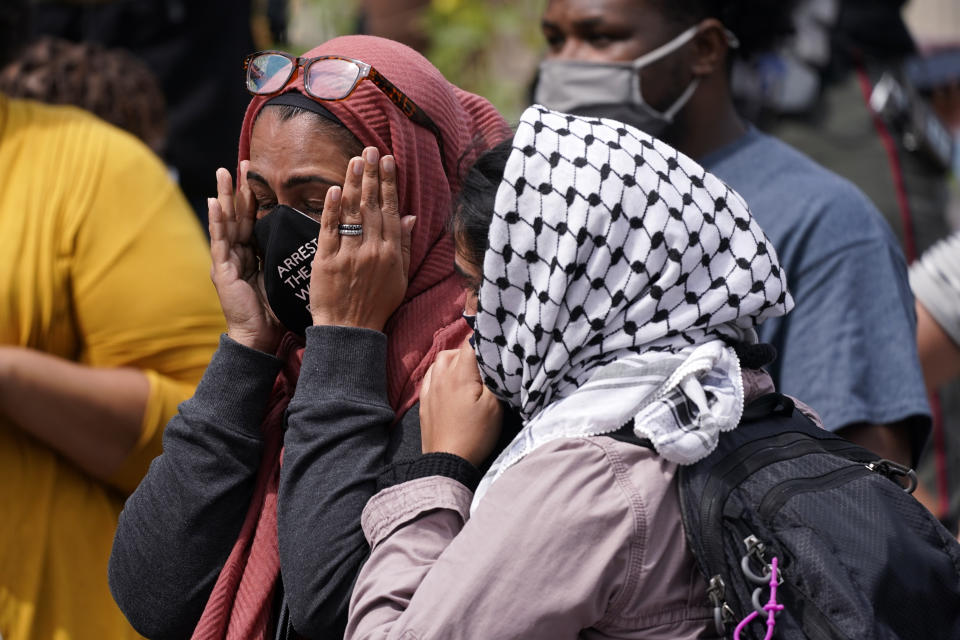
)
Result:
{"points": [[235, 271], [458, 413]]}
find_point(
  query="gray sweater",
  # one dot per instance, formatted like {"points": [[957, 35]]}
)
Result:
{"points": [[179, 526]]}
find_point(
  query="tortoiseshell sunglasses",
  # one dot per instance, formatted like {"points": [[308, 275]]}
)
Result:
{"points": [[330, 78]]}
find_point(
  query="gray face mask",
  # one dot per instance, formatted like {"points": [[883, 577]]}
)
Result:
{"points": [[611, 89]]}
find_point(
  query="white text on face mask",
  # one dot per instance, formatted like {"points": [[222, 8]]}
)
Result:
{"points": [[303, 254], [299, 263]]}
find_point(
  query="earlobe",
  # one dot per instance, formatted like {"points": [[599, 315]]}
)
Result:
{"points": [[711, 48]]}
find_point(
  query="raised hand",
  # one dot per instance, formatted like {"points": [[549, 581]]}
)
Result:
{"points": [[360, 280], [458, 413], [235, 270]]}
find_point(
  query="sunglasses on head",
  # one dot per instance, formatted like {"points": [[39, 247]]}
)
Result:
{"points": [[329, 78]]}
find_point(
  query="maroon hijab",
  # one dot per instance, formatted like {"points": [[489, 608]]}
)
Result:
{"points": [[428, 320]]}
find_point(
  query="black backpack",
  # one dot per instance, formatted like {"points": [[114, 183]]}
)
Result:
{"points": [[859, 558]]}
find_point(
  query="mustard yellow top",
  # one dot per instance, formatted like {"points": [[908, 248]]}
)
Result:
{"points": [[103, 263]]}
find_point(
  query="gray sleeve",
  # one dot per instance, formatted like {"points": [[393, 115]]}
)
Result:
{"points": [[935, 279], [339, 436], [177, 529]]}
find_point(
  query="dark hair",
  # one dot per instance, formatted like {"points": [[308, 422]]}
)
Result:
{"points": [[758, 24], [351, 144], [111, 83], [14, 28], [473, 211]]}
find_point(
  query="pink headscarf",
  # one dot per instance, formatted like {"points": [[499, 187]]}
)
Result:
{"points": [[427, 322], [422, 324]]}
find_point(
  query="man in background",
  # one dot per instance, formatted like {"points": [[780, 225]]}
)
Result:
{"points": [[848, 347]]}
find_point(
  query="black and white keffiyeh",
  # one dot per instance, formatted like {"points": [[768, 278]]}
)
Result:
{"points": [[618, 273]]}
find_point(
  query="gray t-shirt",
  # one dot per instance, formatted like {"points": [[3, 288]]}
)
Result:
{"points": [[849, 346], [935, 279]]}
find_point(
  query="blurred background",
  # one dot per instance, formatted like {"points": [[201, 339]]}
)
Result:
{"points": [[87, 51], [492, 47], [489, 47], [934, 22], [868, 88]]}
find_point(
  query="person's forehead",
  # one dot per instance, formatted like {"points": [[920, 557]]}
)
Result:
{"points": [[601, 11], [298, 134], [287, 146]]}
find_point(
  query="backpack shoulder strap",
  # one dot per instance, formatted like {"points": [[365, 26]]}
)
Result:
{"points": [[767, 405]]}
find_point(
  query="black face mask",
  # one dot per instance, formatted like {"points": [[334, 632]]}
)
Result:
{"points": [[287, 240]]}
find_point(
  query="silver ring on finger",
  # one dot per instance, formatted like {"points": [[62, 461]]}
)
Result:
{"points": [[350, 229]]}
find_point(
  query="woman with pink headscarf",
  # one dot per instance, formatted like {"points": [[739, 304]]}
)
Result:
{"points": [[248, 525]]}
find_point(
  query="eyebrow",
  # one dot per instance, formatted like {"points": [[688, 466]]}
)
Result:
{"points": [[293, 181], [582, 24]]}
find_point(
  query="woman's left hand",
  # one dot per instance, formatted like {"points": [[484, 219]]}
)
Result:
{"points": [[458, 413], [360, 280]]}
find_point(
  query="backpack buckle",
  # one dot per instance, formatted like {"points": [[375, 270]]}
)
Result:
{"points": [[755, 550], [895, 471], [722, 613]]}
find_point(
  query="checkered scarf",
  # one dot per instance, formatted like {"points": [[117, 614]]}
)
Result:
{"points": [[618, 273]]}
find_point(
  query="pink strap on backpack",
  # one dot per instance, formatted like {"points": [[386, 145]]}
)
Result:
{"points": [[772, 606]]}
